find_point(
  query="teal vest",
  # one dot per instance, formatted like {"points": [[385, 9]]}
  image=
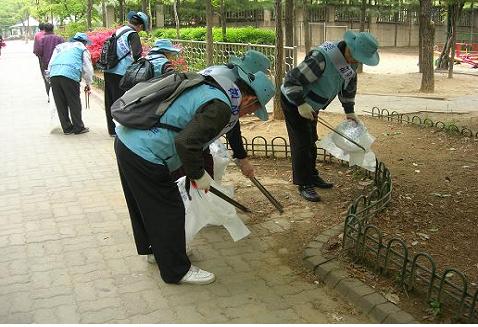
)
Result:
{"points": [[122, 48], [322, 92], [157, 144], [158, 61], [68, 63]]}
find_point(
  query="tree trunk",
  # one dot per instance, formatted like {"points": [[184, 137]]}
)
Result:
{"points": [[176, 17], [455, 13], [307, 40], [209, 40], [223, 22], [279, 60], [103, 12], [289, 28], [144, 6], [420, 38], [427, 30], [363, 9], [89, 10], [121, 11]]}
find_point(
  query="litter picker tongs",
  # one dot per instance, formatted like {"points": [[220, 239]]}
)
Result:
{"points": [[87, 99], [326, 124]]}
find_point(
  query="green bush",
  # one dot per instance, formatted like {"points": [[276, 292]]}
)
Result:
{"points": [[71, 29], [233, 34]]}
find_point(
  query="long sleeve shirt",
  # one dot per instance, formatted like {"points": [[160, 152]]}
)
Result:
{"points": [[206, 124], [46, 45], [135, 44], [310, 71]]}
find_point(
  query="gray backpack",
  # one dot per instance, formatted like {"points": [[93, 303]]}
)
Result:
{"points": [[142, 106]]}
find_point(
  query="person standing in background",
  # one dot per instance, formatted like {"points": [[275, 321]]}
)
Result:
{"points": [[129, 49], [2, 44], [44, 50]]}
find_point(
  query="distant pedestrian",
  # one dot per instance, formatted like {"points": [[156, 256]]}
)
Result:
{"points": [[46, 45], [69, 62], [2, 44], [129, 49]]}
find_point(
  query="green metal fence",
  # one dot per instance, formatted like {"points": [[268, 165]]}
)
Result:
{"points": [[194, 53]]}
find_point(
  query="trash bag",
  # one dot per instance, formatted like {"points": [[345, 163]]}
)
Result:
{"points": [[221, 159], [343, 149], [204, 209], [54, 126]]}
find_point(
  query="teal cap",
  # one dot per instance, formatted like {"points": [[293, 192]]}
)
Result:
{"points": [[82, 37], [165, 44], [252, 61], [363, 47], [263, 88]]}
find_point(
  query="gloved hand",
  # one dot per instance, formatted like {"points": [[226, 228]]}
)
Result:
{"points": [[246, 168], [203, 183], [352, 116], [306, 111]]}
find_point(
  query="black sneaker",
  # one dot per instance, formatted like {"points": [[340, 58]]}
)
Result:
{"points": [[83, 130], [320, 183], [68, 132], [308, 192]]}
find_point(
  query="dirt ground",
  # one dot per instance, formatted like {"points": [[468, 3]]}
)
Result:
{"points": [[433, 208]]}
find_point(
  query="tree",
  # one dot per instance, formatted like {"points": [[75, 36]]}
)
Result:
{"points": [[308, 41], [176, 17], [279, 60], [427, 32], [446, 58], [223, 22], [89, 10], [121, 11], [209, 40]]}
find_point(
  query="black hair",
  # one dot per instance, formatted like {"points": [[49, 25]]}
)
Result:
{"points": [[245, 89], [135, 20], [41, 26], [49, 27]]}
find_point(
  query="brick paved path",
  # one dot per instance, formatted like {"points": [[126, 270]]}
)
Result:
{"points": [[66, 250]]}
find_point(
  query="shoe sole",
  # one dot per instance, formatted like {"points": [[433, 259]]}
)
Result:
{"points": [[82, 131]]}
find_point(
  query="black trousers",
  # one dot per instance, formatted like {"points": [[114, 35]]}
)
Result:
{"points": [[112, 93], [43, 76], [156, 211], [66, 93], [302, 137]]}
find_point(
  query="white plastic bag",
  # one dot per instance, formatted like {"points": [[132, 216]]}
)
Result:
{"points": [[54, 126], [208, 209], [343, 149], [221, 159]]}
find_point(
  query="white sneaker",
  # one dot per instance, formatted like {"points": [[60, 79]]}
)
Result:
{"points": [[197, 276]]}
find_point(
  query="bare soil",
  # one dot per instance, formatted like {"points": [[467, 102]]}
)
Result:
{"points": [[433, 208]]}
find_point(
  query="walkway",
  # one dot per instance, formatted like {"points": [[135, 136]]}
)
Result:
{"points": [[66, 250]]}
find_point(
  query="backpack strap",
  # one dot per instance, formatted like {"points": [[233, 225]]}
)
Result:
{"points": [[119, 35]]}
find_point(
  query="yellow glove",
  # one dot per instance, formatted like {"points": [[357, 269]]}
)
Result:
{"points": [[306, 111]]}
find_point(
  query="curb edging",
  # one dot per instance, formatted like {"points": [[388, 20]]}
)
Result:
{"points": [[362, 296]]}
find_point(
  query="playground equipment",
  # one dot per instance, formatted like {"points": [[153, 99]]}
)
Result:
{"points": [[464, 53]]}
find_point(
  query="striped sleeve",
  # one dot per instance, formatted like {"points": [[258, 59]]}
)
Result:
{"points": [[308, 71], [347, 95]]}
